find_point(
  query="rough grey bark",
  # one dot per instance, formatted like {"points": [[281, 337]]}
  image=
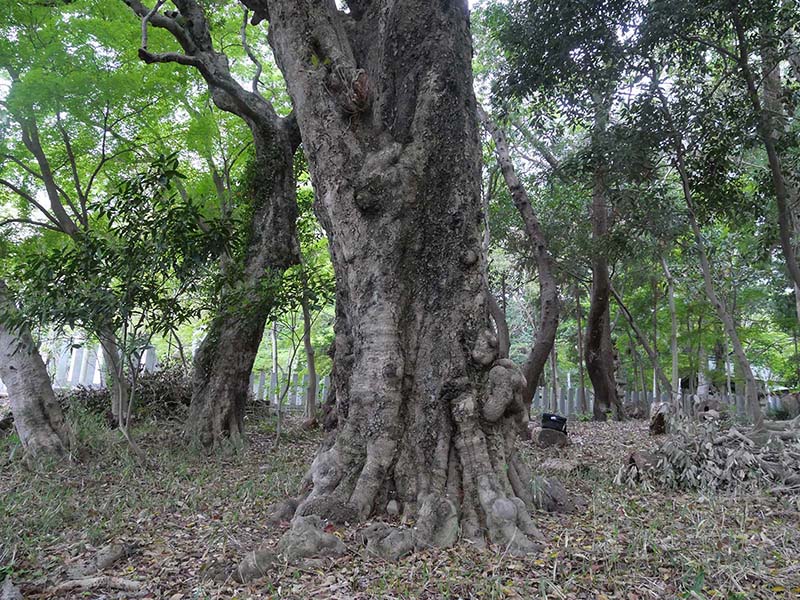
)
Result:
{"points": [[37, 415], [426, 411], [548, 289], [225, 358]]}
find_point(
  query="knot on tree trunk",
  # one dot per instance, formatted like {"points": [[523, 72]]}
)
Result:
{"points": [[506, 391], [484, 353], [379, 179]]}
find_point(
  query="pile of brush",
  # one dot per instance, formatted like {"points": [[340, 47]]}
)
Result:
{"points": [[700, 456]]}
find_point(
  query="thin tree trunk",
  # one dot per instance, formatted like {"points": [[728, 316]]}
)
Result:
{"points": [[673, 337], [548, 289], [311, 390], [728, 387], [38, 418], [751, 390], [765, 130], [656, 364], [274, 340], [554, 401], [581, 375], [427, 412], [651, 354], [119, 385]]}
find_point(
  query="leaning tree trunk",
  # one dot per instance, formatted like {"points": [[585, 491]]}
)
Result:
{"points": [[548, 324], [651, 352], [427, 413], [224, 361], [37, 415], [751, 389]]}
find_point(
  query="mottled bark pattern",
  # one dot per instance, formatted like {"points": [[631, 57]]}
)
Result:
{"points": [[427, 411], [37, 415]]}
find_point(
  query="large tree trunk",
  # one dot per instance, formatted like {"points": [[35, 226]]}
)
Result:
{"points": [[37, 415], [599, 350], [224, 361], [427, 413]]}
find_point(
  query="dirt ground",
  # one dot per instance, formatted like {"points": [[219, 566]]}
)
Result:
{"points": [[184, 517]]}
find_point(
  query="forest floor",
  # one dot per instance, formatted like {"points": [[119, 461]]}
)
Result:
{"points": [[184, 512]]}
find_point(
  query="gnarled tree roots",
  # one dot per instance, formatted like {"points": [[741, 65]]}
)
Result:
{"points": [[463, 479]]}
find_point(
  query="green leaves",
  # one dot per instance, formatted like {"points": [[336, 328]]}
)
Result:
{"points": [[137, 267]]}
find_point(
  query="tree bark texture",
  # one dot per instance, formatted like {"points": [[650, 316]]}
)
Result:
{"points": [[426, 410], [37, 415], [224, 360]]}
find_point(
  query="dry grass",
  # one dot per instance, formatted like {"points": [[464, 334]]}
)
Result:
{"points": [[186, 512]]}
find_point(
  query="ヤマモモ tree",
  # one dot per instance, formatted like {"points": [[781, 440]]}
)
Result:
{"points": [[427, 411]]}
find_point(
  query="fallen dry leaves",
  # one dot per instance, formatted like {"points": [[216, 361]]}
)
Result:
{"points": [[192, 518]]}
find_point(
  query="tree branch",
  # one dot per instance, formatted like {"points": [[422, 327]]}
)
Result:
{"points": [[250, 54], [30, 222], [73, 165], [31, 200]]}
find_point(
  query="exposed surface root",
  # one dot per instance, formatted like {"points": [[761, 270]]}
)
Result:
{"points": [[93, 583]]}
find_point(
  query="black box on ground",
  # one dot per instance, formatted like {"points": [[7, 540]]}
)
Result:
{"points": [[557, 422]]}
